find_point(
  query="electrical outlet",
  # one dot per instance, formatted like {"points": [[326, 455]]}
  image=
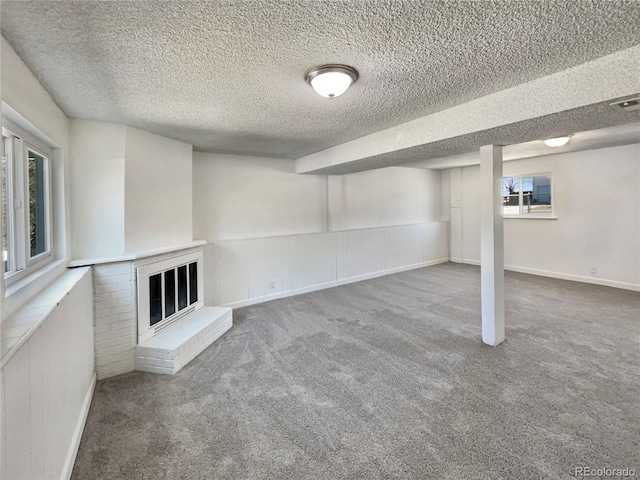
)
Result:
{"points": [[594, 270], [272, 284]]}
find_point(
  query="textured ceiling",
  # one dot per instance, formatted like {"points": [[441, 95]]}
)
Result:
{"points": [[626, 134], [591, 117], [227, 76]]}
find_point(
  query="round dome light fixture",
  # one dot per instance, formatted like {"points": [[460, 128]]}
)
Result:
{"points": [[557, 142], [331, 80]]}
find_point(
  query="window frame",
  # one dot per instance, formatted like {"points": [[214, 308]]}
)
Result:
{"points": [[18, 217], [8, 145], [538, 215], [47, 203]]}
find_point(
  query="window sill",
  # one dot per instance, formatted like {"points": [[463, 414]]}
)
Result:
{"points": [[22, 323], [32, 277], [532, 217], [22, 291]]}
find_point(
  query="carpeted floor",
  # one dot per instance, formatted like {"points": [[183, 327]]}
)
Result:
{"points": [[388, 378]]}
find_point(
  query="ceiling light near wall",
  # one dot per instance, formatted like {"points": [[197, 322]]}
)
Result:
{"points": [[556, 142], [628, 105], [331, 80]]}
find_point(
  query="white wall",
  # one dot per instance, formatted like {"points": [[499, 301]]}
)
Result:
{"points": [[158, 191], [22, 92], [43, 387], [241, 272], [597, 202], [384, 197], [470, 212], [47, 385], [239, 197], [270, 235], [97, 184], [131, 190], [247, 197], [445, 195]]}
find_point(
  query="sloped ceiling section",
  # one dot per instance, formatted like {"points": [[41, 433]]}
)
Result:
{"points": [[227, 76]]}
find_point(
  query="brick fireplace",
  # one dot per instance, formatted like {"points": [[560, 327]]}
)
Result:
{"points": [[149, 312]]}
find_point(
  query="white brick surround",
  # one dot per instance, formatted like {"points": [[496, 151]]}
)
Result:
{"points": [[115, 313], [115, 318]]}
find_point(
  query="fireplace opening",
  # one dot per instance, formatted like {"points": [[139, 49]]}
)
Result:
{"points": [[167, 291], [186, 288]]}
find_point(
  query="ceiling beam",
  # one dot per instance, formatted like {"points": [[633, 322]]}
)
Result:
{"points": [[574, 99]]}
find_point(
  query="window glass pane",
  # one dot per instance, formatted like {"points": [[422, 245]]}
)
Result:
{"points": [[6, 208], [536, 194], [193, 283], [37, 219], [182, 287], [155, 298], [169, 293], [510, 195]]}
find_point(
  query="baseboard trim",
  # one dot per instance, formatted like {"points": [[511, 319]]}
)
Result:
{"points": [[575, 278], [335, 283], [471, 262], [458, 260], [77, 433], [563, 276]]}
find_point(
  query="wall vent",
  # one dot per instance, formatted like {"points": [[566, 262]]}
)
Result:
{"points": [[628, 105]]}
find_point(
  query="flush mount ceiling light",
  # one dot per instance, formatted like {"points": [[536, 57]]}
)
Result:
{"points": [[331, 80], [557, 142], [628, 105]]}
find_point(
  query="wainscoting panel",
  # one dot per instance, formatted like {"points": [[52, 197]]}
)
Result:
{"points": [[242, 272], [46, 387], [436, 241]]}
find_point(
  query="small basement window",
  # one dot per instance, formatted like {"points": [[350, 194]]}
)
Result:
{"points": [[26, 206], [528, 196]]}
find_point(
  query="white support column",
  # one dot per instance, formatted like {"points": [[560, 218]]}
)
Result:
{"points": [[491, 245]]}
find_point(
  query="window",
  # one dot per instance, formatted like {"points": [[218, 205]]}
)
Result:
{"points": [[26, 206], [527, 195]]}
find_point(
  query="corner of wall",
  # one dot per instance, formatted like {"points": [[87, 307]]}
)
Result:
{"points": [[97, 188], [158, 208]]}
